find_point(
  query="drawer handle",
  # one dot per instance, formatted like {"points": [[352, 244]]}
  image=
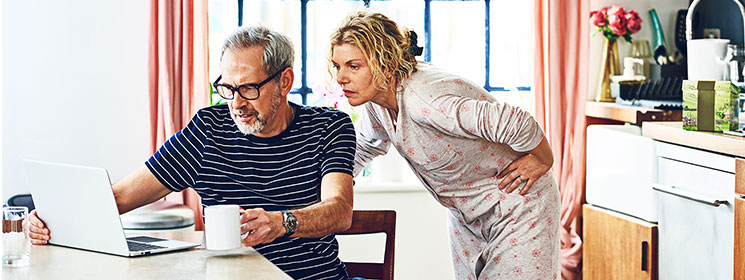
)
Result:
{"points": [[645, 252], [688, 195]]}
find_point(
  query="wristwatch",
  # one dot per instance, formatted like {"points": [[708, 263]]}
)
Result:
{"points": [[289, 221]]}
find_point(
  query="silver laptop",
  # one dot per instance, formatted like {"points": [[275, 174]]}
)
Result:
{"points": [[77, 205]]}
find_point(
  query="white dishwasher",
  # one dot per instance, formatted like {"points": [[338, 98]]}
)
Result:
{"points": [[696, 213]]}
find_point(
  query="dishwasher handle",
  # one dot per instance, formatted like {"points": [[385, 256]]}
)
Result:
{"points": [[688, 195]]}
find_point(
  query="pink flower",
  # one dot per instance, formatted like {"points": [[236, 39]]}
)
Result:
{"points": [[634, 25], [616, 10], [330, 93], [614, 22], [597, 18], [633, 21], [632, 15], [617, 24]]}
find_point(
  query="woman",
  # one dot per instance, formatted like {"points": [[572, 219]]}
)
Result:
{"points": [[469, 150]]}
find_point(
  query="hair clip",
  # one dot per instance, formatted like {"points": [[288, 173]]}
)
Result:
{"points": [[413, 48]]}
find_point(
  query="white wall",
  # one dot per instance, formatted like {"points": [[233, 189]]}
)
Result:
{"points": [[75, 85], [666, 11]]}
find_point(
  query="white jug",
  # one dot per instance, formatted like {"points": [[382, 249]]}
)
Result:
{"points": [[706, 57]]}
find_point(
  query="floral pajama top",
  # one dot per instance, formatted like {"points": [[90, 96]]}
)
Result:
{"points": [[457, 137]]}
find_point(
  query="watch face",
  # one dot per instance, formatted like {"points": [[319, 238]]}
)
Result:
{"points": [[290, 222]]}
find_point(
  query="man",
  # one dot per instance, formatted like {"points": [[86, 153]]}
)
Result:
{"points": [[290, 166]]}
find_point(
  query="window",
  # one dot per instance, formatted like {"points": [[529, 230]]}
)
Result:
{"points": [[494, 38]]}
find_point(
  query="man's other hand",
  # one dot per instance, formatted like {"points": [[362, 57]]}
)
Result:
{"points": [[37, 231]]}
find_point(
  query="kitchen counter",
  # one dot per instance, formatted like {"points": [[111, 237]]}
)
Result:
{"points": [[673, 132]]}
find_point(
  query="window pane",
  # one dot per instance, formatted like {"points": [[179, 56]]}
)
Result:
{"points": [[325, 16], [458, 38], [280, 16], [511, 53], [223, 19], [408, 14]]}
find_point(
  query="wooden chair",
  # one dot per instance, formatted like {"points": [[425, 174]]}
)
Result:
{"points": [[374, 221]]}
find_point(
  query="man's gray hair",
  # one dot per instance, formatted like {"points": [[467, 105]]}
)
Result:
{"points": [[278, 50]]}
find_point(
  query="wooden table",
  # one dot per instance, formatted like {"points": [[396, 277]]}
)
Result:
{"points": [[56, 262]]}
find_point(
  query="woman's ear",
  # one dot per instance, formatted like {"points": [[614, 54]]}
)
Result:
{"points": [[286, 80]]}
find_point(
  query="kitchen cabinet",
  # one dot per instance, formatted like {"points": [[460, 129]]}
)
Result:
{"points": [[602, 258], [739, 238], [702, 180], [617, 246]]}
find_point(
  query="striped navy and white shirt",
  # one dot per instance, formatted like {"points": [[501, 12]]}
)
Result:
{"points": [[282, 172]]}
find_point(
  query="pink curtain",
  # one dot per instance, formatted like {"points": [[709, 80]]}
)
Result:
{"points": [[561, 73], [179, 84]]}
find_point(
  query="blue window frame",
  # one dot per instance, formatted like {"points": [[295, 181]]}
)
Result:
{"points": [[304, 89]]}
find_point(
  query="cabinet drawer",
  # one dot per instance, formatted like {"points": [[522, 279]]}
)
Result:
{"points": [[696, 178], [617, 246], [695, 156]]}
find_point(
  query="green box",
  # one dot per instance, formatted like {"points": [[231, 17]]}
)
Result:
{"points": [[710, 105]]}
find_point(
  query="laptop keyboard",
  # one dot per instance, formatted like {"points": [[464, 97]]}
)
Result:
{"points": [[134, 246], [146, 239]]}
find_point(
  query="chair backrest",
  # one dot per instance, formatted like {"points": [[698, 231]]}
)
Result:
{"points": [[374, 221]]}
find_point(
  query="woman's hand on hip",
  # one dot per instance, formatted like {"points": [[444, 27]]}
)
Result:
{"points": [[526, 169]]}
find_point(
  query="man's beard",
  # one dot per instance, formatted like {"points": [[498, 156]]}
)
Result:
{"points": [[260, 122]]}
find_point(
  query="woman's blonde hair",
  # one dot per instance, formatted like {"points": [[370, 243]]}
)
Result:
{"points": [[385, 46]]}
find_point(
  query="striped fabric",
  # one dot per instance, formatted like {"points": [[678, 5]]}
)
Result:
{"points": [[282, 172]]}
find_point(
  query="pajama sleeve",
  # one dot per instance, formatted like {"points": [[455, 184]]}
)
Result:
{"points": [[474, 114], [372, 140]]}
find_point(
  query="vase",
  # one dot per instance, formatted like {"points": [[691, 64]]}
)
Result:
{"points": [[609, 66]]}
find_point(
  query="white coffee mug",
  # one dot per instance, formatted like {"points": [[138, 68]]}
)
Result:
{"points": [[222, 227]]}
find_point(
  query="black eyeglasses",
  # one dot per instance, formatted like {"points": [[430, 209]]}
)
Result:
{"points": [[247, 91]]}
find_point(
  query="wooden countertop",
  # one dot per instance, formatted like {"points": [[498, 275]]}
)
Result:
{"points": [[673, 132], [630, 114]]}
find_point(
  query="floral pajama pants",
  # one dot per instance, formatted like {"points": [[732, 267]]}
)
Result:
{"points": [[519, 239]]}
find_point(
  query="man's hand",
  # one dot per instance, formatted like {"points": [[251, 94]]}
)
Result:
{"points": [[37, 231], [260, 227], [525, 169]]}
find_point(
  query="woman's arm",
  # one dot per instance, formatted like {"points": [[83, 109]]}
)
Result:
{"points": [[372, 140], [528, 168], [465, 110]]}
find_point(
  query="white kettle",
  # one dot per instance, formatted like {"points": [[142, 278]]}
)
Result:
{"points": [[707, 57]]}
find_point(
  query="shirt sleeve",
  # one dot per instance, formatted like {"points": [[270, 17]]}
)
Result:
{"points": [[483, 117], [177, 163], [338, 145], [372, 140]]}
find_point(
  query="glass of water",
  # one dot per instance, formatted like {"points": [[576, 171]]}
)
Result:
{"points": [[16, 244]]}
